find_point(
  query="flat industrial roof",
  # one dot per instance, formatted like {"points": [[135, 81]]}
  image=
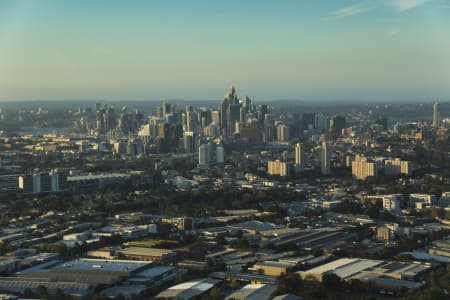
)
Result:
{"points": [[273, 264], [155, 271], [344, 267], [142, 251], [253, 292], [126, 290], [356, 267], [190, 289], [103, 265]]}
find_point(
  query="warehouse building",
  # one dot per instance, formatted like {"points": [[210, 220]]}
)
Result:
{"points": [[188, 290], [381, 273], [253, 292], [73, 289], [272, 268]]}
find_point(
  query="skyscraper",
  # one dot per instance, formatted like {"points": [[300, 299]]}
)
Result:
{"points": [[283, 134], [204, 156], [337, 123], [233, 115], [299, 157], [215, 117], [190, 142], [436, 114], [220, 154], [325, 154]]}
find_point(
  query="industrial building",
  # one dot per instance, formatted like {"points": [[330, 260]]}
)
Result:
{"points": [[147, 254], [188, 290], [75, 290], [398, 274], [272, 268], [253, 292]]}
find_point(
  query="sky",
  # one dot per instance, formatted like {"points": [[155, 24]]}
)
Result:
{"points": [[310, 50]]}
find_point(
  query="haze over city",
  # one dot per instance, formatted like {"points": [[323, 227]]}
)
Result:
{"points": [[150, 50], [225, 150]]}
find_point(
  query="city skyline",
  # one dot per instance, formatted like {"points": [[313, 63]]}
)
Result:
{"points": [[301, 50]]}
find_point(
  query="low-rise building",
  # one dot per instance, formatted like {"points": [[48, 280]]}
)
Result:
{"points": [[189, 290], [272, 268], [253, 292]]}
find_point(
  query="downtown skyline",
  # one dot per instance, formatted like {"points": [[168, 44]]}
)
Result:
{"points": [[150, 50]]}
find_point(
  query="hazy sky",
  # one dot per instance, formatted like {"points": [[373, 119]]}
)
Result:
{"points": [[188, 49]]}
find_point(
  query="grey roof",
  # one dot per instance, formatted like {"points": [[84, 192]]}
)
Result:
{"points": [[256, 225], [127, 266], [253, 292], [189, 289], [155, 271], [287, 297], [125, 290]]}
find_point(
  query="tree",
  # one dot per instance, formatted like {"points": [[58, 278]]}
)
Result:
{"points": [[214, 294], [241, 244], [289, 283], [27, 293], [41, 292], [234, 284], [331, 281], [59, 295], [431, 293]]}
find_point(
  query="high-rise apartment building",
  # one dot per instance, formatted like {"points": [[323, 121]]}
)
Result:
{"points": [[395, 167], [220, 154], [283, 133], [436, 114], [299, 157], [53, 181], [363, 168], [190, 142], [277, 167], [204, 155], [325, 159]]}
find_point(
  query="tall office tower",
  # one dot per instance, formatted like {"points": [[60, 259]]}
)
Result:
{"points": [[436, 114], [212, 130], [299, 157], [325, 155], [308, 120], [262, 111], [191, 121], [268, 127], [321, 121], [190, 142], [224, 116], [204, 156], [229, 112], [338, 123], [166, 109], [205, 117], [383, 121], [283, 133], [220, 154], [247, 102], [233, 115], [243, 115], [98, 106], [215, 116]]}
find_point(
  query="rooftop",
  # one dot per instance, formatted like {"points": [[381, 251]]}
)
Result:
{"points": [[103, 265]]}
